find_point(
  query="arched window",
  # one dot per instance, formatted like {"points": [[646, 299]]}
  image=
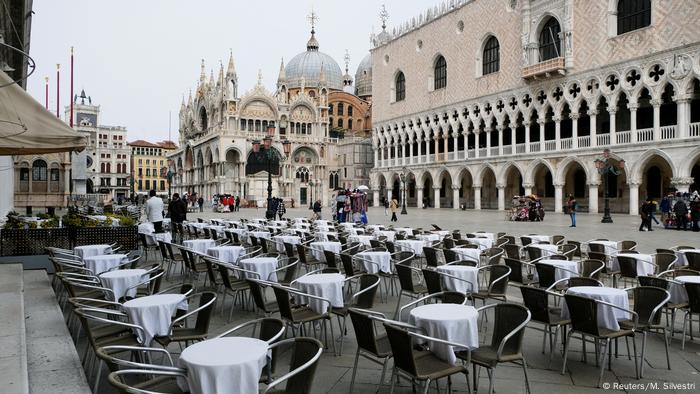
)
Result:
{"points": [[400, 87], [440, 73], [39, 170], [330, 109], [349, 110], [550, 42], [491, 58], [203, 120], [340, 123], [302, 174], [633, 15], [341, 109], [349, 124]]}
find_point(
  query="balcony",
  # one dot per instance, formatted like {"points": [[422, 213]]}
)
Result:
{"points": [[545, 69]]}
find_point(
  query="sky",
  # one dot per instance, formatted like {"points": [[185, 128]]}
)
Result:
{"points": [[137, 58]]}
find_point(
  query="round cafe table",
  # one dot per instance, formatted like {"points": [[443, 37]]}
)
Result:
{"points": [[677, 288], [645, 263], [375, 261], [154, 314], [317, 249], [390, 235], [281, 239], [610, 246], [121, 280], [363, 239], [329, 286], [469, 276], [407, 230], [539, 238], [482, 243], [199, 245], [449, 322], [680, 254], [607, 316], [224, 365], [468, 254], [411, 245], [92, 250], [104, 262], [264, 266], [322, 236], [153, 238], [226, 253], [432, 237], [565, 268], [547, 249]]}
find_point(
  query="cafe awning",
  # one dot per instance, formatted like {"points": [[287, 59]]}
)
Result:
{"points": [[26, 127]]}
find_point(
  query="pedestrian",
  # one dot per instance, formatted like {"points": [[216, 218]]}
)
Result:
{"points": [[695, 211], [571, 207], [665, 207], [316, 210], [178, 214], [394, 208], [281, 209], [238, 203], [200, 202], [386, 206], [653, 212], [645, 215], [154, 211], [681, 211]]}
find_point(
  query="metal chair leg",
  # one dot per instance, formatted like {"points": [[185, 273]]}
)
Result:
{"points": [[602, 364], [527, 381]]}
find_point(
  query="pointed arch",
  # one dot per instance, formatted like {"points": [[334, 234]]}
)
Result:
{"points": [[565, 165], [479, 175], [644, 159], [533, 166]]}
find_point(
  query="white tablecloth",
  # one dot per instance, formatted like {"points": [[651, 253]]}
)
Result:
{"points": [[153, 238], [104, 262], [483, 243], [317, 249], [242, 233], [146, 228], [224, 365], [607, 316], [322, 223], [120, 280], [281, 239], [429, 237], [480, 234], [441, 233], [610, 247], [219, 229], [539, 238], [378, 261], [300, 220], [227, 254], [92, 250], [322, 236], [390, 235], [469, 274], [450, 322], [199, 245], [153, 313], [363, 239], [328, 286], [411, 245], [645, 264], [407, 230], [468, 254], [259, 220], [547, 249], [680, 254], [354, 231], [375, 227], [564, 265], [264, 266], [260, 234], [677, 288], [280, 223]]}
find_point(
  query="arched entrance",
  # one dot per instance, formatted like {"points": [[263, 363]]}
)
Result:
{"points": [[428, 201], [445, 184], [618, 190], [544, 185], [489, 192], [513, 183], [575, 184], [656, 178], [232, 171], [466, 192]]}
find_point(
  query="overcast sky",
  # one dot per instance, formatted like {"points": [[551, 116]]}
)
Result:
{"points": [[136, 58]]}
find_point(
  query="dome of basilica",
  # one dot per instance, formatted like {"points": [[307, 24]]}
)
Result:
{"points": [[307, 66], [363, 77]]}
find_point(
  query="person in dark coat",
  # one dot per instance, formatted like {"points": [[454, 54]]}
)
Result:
{"points": [[681, 211], [178, 214], [645, 214]]}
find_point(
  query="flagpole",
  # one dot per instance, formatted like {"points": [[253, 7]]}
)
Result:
{"points": [[46, 93], [71, 87], [58, 90]]}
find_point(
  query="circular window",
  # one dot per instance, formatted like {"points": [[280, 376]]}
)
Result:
{"points": [[419, 45], [386, 59], [460, 27]]}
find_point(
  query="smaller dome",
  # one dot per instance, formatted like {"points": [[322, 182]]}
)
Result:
{"points": [[363, 77]]}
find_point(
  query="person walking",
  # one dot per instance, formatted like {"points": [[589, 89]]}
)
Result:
{"points": [[394, 208], [385, 202], [178, 214], [317, 210], [200, 202], [653, 212], [645, 215], [665, 207], [281, 209], [695, 210], [237, 204], [154, 211], [572, 205], [681, 211]]}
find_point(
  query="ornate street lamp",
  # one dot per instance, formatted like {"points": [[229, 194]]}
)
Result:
{"points": [[404, 179], [269, 155], [606, 166], [311, 193]]}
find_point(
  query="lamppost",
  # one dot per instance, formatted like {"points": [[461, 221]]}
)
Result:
{"points": [[605, 167], [311, 191], [269, 155], [170, 174], [403, 178]]}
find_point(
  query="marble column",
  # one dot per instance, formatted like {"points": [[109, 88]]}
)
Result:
{"points": [[682, 184], [477, 197], [445, 145], [376, 157], [388, 192], [634, 198], [683, 117], [455, 197], [420, 149], [436, 156], [375, 197], [656, 104], [499, 130], [419, 197], [476, 143], [633, 121], [527, 136], [593, 197], [488, 142], [410, 151], [512, 139], [501, 189], [593, 115], [436, 196], [558, 197], [541, 123], [574, 129], [527, 188], [557, 132], [613, 126]]}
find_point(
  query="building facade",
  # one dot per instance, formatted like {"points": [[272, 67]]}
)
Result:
{"points": [[478, 101], [102, 170], [218, 127], [149, 166], [42, 182]]}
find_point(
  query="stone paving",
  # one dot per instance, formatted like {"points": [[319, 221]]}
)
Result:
{"points": [[334, 372]]}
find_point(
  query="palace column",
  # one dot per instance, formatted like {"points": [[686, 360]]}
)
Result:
{"points": [[527, 188], [574, 129], [634, 198], [445, 146], [656, 104], [558, 197], [455, 196], [593, 197], [404, 160], [613, 127], [683, 116], [527, 136], [477, 133], [388, 193], [682, 184], [541, 122], [501, 189], [593, 115], [375, 197], [376, 156], [396, 152], [633, 121], [455, 139], [488, 142], [512, 139], [557, 132], [410, 150], [420, 148], [436, 156], [499, 130], [419, 197], [477, 197], [436, 196]]}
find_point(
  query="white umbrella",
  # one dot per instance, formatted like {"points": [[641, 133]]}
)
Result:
{"points": [[363, 187]]}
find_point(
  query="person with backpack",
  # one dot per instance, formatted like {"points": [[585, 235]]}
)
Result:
{"points": [[394, 208], [571, 206]]}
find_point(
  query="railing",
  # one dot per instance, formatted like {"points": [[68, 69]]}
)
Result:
{"points": [[508, 150], [694, 129], [623, 137], [556, 65], [668, 132], [535, 146], [471, 154], [520, 148], [603, 139], [566, 143], [452, 156], [584, 141], [644, 135], [482, 152], [550, 145], [494, 151]]}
